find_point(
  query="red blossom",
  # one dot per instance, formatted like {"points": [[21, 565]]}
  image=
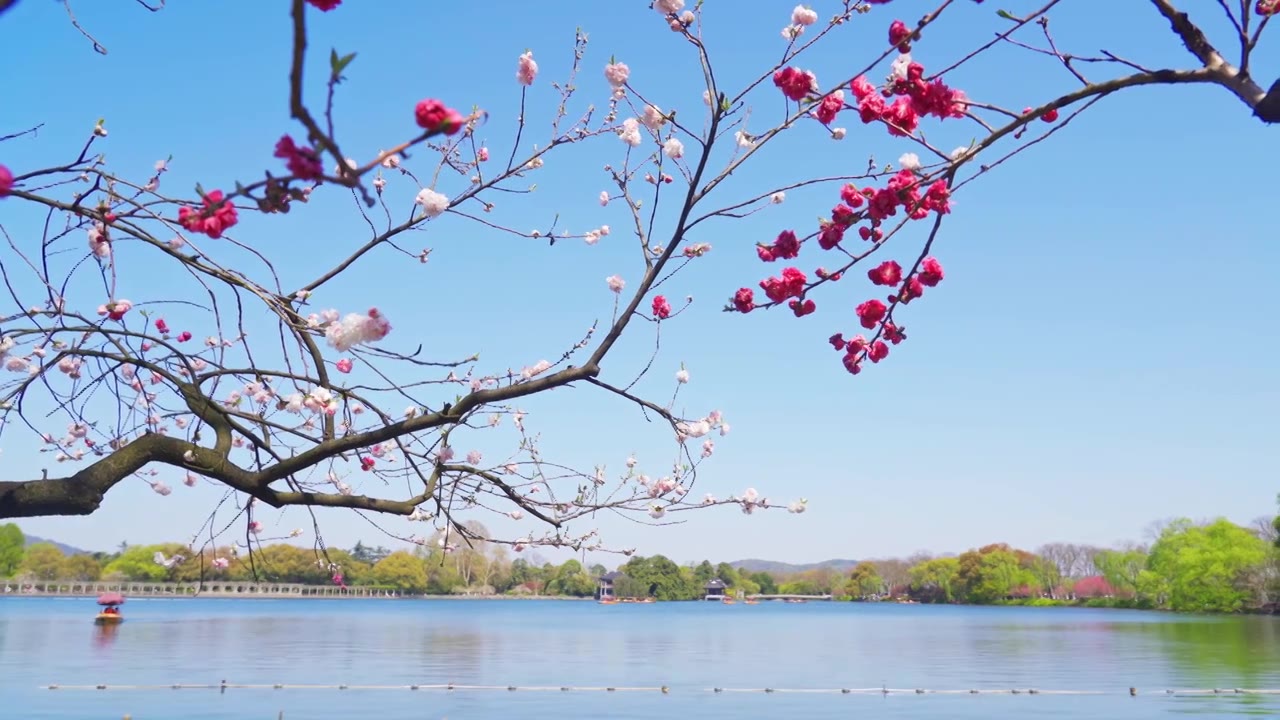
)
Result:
{"points": [[434, 116], [214, 218], [893, 333], [931, 271], [794, 83], [161, 326], [870, 313], [184, 336], [886, 273], [790, 284], [831, 235], [786, 246], [878, 351], [661, 308], [324, 5], [852, 196], [1052, 114], [828, 109], [6, 181], [900, 35], [802, 307], [303, 162], [744, 301]]}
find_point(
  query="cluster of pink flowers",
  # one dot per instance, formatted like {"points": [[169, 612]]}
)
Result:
{"points": [[6, 181], [217, 215], [355, 329], [435, 116], [1267, 7], [303, 162], [661, 308], [526, 69]]}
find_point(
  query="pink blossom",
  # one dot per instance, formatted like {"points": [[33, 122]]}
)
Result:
{"points": [[6, 179], [474, 457], [355, 329], [652, 117], [255, 527], [682, 376], [527, 69], [161, 489], [673, 148], [668, 7], [536, 369], [604, 198], [629, 133], [482, 154], [190, 480], [115, 309], [344, 365], [617, 73], [220, 563], [802, 15]]}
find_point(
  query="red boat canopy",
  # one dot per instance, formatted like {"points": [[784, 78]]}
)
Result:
{"points": [[110, 599]]}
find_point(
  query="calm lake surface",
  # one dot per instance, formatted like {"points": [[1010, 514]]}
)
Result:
{"points": [[689, 647]]}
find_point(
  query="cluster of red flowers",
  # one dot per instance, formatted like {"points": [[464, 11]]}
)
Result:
{"points": [[217, 215], [303, 162], [899, 105]]}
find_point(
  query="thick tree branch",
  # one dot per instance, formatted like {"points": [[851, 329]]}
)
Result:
{"points": [[1266, 105]]}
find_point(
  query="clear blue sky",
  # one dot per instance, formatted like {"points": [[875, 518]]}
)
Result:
{"points": [[1101, 354]]}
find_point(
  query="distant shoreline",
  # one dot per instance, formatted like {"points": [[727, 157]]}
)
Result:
{"points": [[266, 596]]}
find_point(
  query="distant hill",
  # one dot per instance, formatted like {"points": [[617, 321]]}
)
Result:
{"points": [[773, 566], [66, 549]]}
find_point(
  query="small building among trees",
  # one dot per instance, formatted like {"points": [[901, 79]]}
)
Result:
{"points": [[714, 589], [607, 587]]}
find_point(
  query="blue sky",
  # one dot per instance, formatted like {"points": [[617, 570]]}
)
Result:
{"points": [[1100, 355]]}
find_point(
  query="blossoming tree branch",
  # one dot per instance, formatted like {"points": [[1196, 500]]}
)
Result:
{"points": [[326, 405]]}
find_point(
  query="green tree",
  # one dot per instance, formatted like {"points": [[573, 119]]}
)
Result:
{"points": [[12, 548], [137, 562], [1121, 568], [704, 572], [728, 574], [662, 578], [864, 581], [43, 561], [80, 567], [767, 583], [402, 571], [934, 580], [1202, 567]]}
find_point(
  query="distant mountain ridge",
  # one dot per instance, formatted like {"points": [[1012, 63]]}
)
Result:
{"points": [[66, 549], [774, 566]]}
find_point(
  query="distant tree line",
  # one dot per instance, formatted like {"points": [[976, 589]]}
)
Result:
{"points": [[1213, 566]]}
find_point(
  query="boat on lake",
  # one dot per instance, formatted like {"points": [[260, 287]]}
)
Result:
{"points": [[110, 613]]}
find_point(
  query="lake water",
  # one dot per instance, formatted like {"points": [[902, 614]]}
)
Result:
{"points": [[688, 647]]}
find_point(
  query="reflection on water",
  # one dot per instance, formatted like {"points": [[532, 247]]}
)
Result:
{"points": [[105, 635], [690, 647], [1216, 651]]}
